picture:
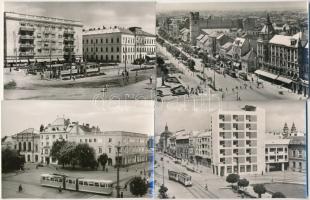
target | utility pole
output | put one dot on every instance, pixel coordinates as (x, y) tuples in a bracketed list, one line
[(118, 147)]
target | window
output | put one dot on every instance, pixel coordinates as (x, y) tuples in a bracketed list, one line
[(110, 150), (110, 139), (86, 183), (106, 40), (95, 140), (111, 40), (100, 150)]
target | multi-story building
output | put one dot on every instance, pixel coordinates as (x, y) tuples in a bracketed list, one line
[(297, 153), (281, 58), (30, 38), (27, 143), (57, 130), (182, 145), (203, 150), (276, 154), (117, 44), (212, 22), (238, 141)]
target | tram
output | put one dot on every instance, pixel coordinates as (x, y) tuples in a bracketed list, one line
[(77, 184), (180, 177)]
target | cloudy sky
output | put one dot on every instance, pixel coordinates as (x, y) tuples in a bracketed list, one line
[(196, 117), (93, 14), (241, 5), (135, 116)]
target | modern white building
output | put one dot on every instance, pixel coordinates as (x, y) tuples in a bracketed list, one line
[(238, 141), (276, 154), (30, 38), (117, 44)]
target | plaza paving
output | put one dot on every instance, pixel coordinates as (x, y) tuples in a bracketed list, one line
[(32, 87), (30, 180)]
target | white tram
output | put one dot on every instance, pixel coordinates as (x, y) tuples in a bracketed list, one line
[(77, 184)]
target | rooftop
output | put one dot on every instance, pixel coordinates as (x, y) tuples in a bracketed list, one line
[(277, 141)]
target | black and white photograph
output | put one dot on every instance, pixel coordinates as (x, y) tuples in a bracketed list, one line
[(231, 150), (79, 50), (234, 51), (52, 149)]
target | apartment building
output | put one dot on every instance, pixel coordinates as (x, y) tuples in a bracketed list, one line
[(30, 38), (298, 153), (117, 44), (203, 150), (238, 141)]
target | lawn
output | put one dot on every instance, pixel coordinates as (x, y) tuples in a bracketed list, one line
[(288, 189)]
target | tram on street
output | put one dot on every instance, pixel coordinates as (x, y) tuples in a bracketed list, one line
[(77, 184), (180, 177)]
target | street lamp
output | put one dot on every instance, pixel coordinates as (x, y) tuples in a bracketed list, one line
[(118, 148)]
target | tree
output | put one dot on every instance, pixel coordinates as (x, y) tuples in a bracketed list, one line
[(243, 183), (278, 195), (163, 192), (232, 178), (11, 160), (138, 186), (103, 159), (259, 189), (85, 155), (41, 128), (67, 154), (56, 147)]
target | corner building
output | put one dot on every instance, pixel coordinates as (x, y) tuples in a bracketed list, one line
[(117, 44), (30, 38), (238, 141)]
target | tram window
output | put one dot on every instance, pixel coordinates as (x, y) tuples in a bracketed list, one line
[(97, 184), (91, 183), (73, 182), (70, 181), (80, 182), (85, 183), (52, 179), (47, 178), (101, 184), (43, 178)]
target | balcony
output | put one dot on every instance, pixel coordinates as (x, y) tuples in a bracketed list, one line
[(26, 46), (26, 37), (69, 32), (68, 39), (26, 28), (26, 54)]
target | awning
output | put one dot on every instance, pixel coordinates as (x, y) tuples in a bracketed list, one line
[(284, 80), (266, 74)]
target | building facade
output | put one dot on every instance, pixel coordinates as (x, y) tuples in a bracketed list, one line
[(238, 141), (117, 44), (297, 154), (27, 143), (30, 38), (276, 154)]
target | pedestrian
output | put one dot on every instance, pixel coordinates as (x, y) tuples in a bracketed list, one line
[(59, 189), (151, 78), (122, 195), (20, 188)]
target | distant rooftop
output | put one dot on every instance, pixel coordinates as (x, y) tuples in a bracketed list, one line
[(116, 29)]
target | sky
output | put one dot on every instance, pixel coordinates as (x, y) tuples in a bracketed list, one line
[(168, 6), (134, 116), (93, 14), (196, 117)]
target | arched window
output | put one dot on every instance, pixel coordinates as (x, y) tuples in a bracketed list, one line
[(24, 146)]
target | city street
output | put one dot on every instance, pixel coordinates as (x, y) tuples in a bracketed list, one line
[(217, 186), (30, 180), (232, 89), (138, 86)]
